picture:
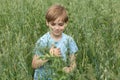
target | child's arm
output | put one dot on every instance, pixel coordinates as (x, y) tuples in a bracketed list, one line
[(72, 61), (72, 64), (37, 62)]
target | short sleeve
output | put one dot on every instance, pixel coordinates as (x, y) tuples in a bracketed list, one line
[(72, 46)]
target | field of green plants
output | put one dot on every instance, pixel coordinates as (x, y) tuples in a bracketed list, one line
[(94, 24)]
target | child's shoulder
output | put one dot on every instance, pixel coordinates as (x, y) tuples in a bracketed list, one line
[(67, 36), (44, 37)]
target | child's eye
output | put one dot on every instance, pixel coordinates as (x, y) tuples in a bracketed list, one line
[(61, 24), (53, 24)]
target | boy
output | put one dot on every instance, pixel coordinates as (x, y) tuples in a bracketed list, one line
[(57, 42)]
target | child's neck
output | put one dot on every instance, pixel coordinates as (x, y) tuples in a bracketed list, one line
[(56, 37)]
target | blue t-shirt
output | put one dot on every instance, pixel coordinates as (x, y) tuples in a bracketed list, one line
[(66, 44)]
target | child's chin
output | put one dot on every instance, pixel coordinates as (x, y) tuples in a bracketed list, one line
[(57, 34)]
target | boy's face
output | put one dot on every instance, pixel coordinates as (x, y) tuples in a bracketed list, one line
[(56, 27)]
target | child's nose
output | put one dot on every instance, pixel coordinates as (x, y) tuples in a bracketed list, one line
[(57, 27)]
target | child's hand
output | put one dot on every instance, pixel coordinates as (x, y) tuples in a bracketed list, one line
[(67, 69), (55, 51)]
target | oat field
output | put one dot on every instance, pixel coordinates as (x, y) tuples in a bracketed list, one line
[(94, 24)]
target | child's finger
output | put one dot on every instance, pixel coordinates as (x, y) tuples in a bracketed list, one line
[(57, 49)]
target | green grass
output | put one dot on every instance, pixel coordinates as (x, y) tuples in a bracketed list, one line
[(94, 24)]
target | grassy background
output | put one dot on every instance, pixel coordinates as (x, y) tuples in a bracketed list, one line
[(94, 24)]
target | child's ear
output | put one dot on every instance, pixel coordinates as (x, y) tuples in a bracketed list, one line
[(47, 23), (66, 24)]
